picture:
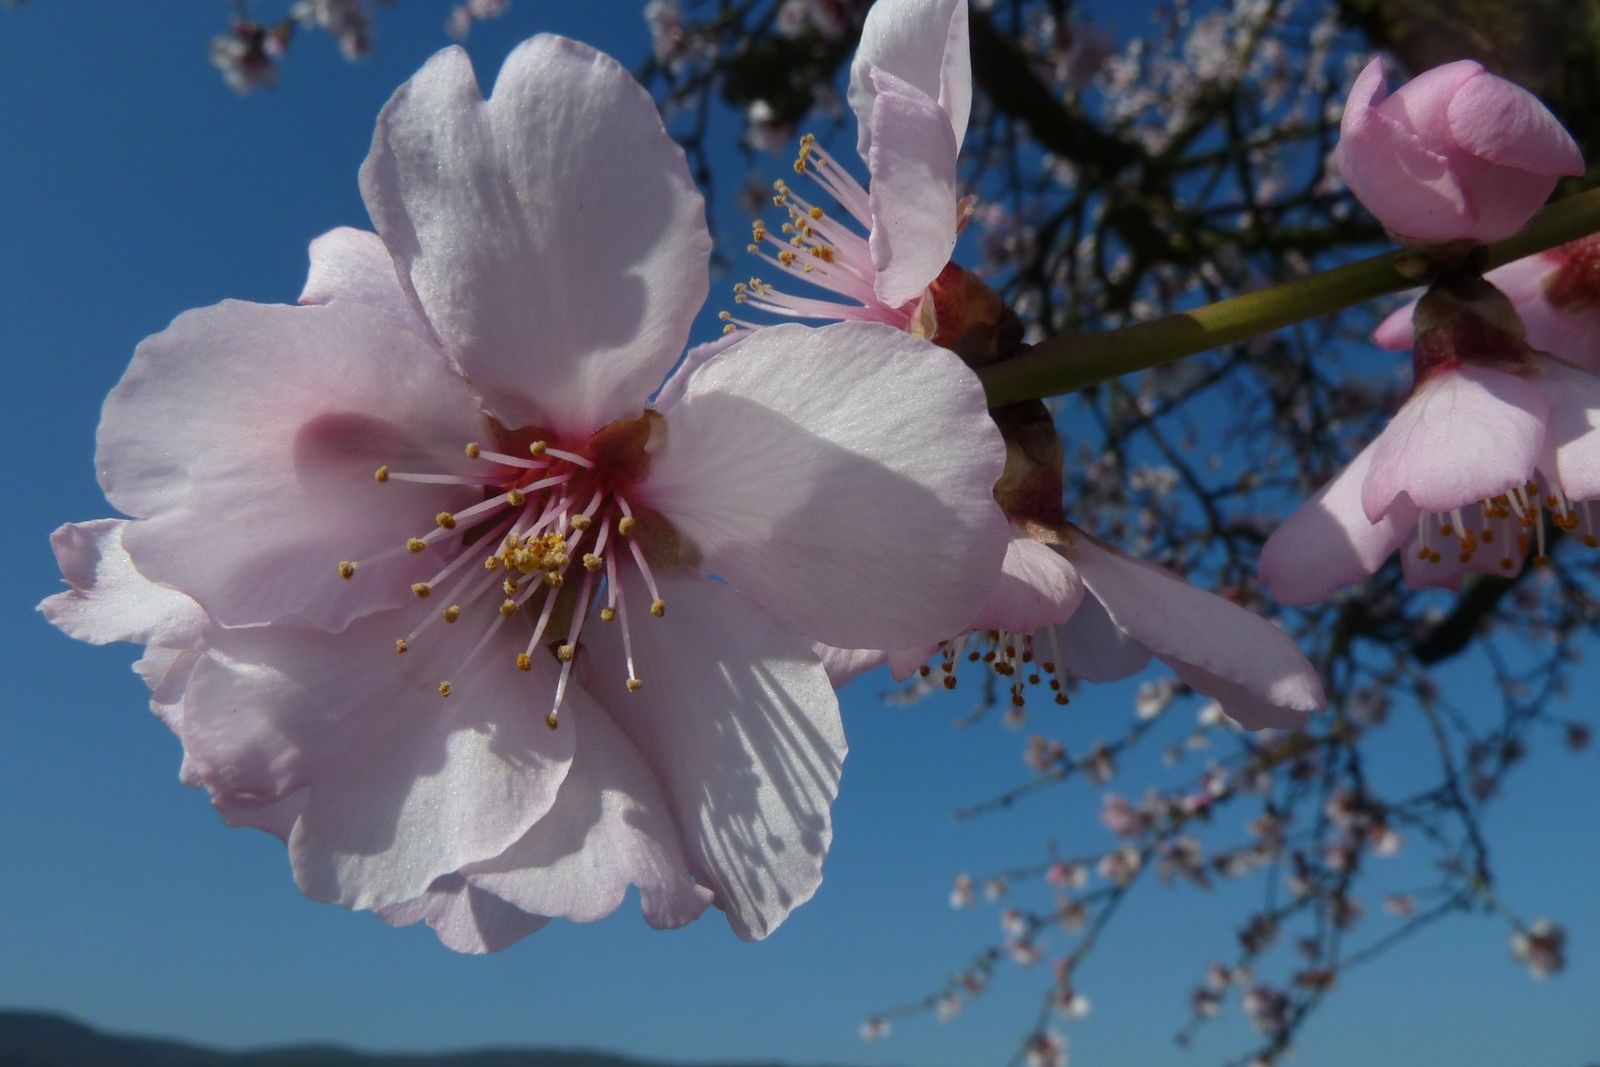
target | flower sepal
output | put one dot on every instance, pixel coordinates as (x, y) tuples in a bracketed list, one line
[(1467, 321), (960, 312)]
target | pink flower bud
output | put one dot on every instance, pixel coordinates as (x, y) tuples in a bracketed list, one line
[(1455, 154)]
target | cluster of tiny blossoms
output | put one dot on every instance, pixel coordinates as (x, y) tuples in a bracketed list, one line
[(248, 54)]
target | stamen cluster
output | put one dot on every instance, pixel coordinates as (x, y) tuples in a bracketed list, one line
[(1011, 656), (545, 518)]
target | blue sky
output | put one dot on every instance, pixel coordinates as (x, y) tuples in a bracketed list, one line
[(135, 186)]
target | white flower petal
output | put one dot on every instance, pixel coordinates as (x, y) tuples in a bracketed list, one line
[(741, 728), (609, 828), (465, 918), (245, 436), (912, 193), (923, 42), (552, 234), (109, 599), (1188, 626), (841, 478), (402, 785)]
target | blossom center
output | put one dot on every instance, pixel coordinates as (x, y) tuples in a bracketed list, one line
[(553, 540)]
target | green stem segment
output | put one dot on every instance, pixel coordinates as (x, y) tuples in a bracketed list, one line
[(1068, 363)]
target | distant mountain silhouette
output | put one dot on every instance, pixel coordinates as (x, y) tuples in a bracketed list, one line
[(30, 1039)]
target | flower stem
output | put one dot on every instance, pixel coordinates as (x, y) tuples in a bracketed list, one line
[(1070, 362)]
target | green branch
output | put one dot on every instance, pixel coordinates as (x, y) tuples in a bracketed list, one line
[(1068, 363)]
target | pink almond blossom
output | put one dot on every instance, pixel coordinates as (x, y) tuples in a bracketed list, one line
[(424, 575), (1454, 154), (911, 91), (1495, 442)]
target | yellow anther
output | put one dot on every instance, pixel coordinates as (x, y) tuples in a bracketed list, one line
[(581, 521), (524, 662), (553, 579), (421, 589), (400, 646), (608, 614), (815, 213), (752, 248), (564, 653), (738, 287), (415, 544), (444, 689), (634, 685), (725, 315), (381, 474), (508, 608), (730, 328), (347, 569), (516, 498), (658, 607), (491, 563), (550, 720), (592, 561), (786, 257), (509, 586), (452, 613), (473, 451), (445, 520), (538, 448), (626, 524)]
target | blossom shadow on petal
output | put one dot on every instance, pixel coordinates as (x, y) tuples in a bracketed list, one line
[(739, 724)]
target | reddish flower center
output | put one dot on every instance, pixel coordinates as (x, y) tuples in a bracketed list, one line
[(553, 538)]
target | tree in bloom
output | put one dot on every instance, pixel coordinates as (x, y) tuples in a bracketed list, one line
[(425, 577)]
